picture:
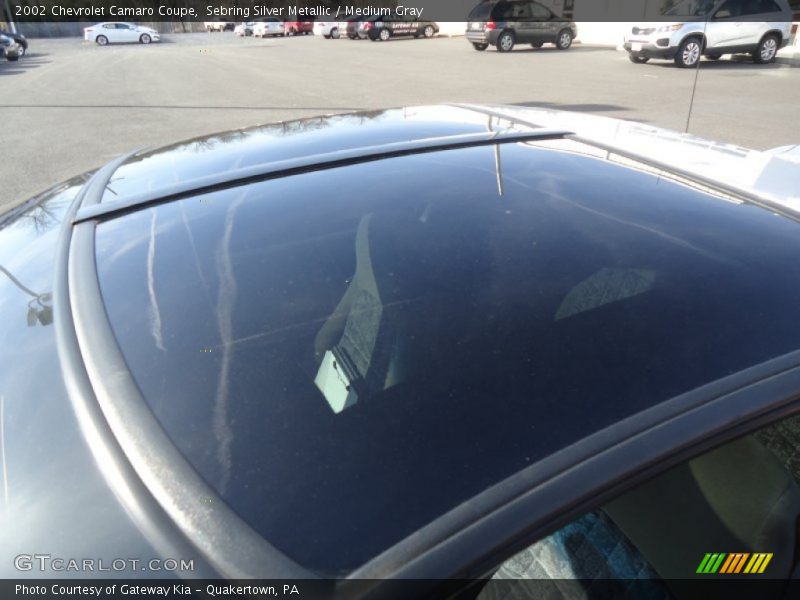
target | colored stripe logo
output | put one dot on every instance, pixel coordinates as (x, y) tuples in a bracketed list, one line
[(734, 563)]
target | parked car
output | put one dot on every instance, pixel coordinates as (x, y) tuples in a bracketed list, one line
[(503, 24), (220, 26), (298, 27), (119, 33), (544, 336), (9, 48), (330, 29), (364, 25), (244, 29), (270, 26), (353, 29), (712, 28), (387, 27), (21, 41)]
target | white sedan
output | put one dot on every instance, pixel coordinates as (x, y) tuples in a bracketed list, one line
[(330, 29), (120, 33), (244, 29), (270, 26)]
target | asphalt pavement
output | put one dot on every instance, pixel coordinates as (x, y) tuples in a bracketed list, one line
[(70, 106)]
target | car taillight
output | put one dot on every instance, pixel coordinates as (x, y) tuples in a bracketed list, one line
[(367, 25), (88, 30), (490, 25)]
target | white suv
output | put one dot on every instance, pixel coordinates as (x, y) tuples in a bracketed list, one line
[(712, 28)]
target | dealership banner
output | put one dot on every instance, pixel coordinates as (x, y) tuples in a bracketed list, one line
[(23, 11)]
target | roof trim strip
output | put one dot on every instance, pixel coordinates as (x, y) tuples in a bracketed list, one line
[(140, 505), (173, 507), (314, 162), (746, 195)]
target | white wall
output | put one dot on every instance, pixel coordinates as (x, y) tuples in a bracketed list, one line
[(604, 34)]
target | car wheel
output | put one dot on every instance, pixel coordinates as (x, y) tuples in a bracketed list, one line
[(689, 53), (505, 42), (536, 45), (384, 34), (21, 51), (564, 40), (335, 33), (766, 50), (101, 40), (144, 39), (480, 47), (639, 60), (428, 31)]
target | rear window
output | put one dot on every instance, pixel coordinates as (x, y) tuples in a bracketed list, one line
[(348, 354), (481, 12)]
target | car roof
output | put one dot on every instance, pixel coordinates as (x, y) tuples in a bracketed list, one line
[(510, 160)]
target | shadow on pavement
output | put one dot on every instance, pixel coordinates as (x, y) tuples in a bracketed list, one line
[(29, 61), (737, 63), (549, 49)]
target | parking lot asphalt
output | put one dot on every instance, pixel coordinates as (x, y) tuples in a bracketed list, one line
[(70, 106)]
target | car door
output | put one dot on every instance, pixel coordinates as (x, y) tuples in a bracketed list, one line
[(126, 32), (110, 31), (544, 26), (399, 26), (756, 18), (519, 16), (725, 29)]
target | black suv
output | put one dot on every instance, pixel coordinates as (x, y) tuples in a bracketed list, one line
[(503, 24), (21, 40)]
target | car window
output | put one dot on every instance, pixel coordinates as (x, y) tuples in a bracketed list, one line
[(315, 335), (539, 12), (730, 511), (729, 9), (692, 8), (517, 11), (758, 7)]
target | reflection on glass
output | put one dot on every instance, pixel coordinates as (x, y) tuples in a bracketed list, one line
[(40, 309)]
